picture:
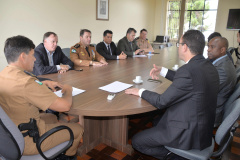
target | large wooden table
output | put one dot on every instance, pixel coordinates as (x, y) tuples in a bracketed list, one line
[(107, 121)]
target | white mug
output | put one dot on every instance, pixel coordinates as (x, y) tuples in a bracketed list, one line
[(138, 78)]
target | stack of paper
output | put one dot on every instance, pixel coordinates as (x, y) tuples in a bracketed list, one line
[(75, 92)]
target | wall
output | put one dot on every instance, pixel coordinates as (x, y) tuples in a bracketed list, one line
[(32, 18), (221, 22), (160, 17)]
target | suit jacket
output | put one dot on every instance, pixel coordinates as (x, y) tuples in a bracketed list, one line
[(190, 103), (228, 78), (124, 46), (41, 65), (102, 49)]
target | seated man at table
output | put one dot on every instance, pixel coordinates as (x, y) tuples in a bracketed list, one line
[(143, 42), (217, 48), (49, 56), (22, 95), (84, 54), (190, 102), (128, 45), (108, 49), (217, 34)]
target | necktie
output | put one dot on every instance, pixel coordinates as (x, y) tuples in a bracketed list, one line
[(87, 51), (131, 45), (109, 51)]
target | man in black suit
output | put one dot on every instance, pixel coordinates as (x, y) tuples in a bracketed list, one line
[(49, 56), (128, 45), (190, 102), (108, 49)]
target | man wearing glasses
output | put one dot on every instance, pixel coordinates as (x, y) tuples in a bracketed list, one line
[(190, 102)]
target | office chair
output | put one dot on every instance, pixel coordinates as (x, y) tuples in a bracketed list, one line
[(12, 141), (94, 45), (161, 46), (231, 50), (223, 137), (66, 51), (234, 95), (169, 44)]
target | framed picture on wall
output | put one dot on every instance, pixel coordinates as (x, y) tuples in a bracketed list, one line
[(103, 10)]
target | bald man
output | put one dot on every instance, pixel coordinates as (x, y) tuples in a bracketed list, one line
[(227, 75)]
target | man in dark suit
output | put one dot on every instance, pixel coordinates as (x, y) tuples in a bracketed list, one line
[(190, 102), (108, 49), (49, 56), (217, 48), (128, 45)]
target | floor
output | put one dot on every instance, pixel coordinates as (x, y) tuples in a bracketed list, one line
[(138, 123)]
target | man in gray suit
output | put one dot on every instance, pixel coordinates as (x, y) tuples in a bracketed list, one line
[(190, 102), (128, 45), (217, 48)]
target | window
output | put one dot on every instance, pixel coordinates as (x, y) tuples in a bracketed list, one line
[(199, 14), (173, 15)]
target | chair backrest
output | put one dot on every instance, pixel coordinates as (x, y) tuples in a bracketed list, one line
[(231, 50), (94, 45), (169, 44), (11, 139), (230, 117), (161, 46), (66, 51), (232, 98)]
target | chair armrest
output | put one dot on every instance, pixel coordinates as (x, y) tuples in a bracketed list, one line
[(226, 143), (49, 133)]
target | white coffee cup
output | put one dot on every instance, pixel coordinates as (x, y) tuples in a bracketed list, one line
[(138, 79), (175, 66)]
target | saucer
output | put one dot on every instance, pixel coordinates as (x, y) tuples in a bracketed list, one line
[(137, 82)]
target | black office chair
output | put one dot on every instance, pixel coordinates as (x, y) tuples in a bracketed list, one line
[(223, 137), (12, 141), (66, 51)]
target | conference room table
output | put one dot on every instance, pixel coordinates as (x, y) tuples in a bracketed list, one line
[(106, 121)]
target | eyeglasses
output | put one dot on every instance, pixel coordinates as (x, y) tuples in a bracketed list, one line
[(177, 44)]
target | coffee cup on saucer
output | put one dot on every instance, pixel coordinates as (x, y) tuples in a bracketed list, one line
[(138, 79)]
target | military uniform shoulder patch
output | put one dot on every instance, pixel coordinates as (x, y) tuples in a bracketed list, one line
[(77, 45), (137, 38), (73, 51)]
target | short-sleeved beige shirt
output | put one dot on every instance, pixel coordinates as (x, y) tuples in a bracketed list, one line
[(143, 44), (21, 96)]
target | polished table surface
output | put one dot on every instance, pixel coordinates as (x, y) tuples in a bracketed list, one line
[(106, 121), (94, 101)]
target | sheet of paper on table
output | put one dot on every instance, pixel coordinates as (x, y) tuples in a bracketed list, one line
[(115, 87), (75, 92)]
